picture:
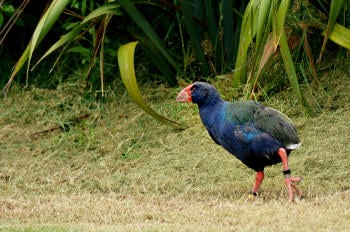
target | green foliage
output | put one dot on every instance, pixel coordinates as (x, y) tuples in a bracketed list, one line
[(265, 32), (153, 44), (95, 24), (333, 31), (43, 27), (260, 19), (194, 38), (213, 28), (126, 67)]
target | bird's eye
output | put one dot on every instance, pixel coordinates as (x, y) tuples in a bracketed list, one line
[(194, 87)]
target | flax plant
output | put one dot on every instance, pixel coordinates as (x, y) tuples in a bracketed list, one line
[(97, 21), (263, 28), (264, 20), (45, 24), (221, 35)]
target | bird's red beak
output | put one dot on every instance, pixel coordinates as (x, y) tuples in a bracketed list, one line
[(185, 95)]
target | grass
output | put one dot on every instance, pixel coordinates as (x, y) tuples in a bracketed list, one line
[(120, 170)]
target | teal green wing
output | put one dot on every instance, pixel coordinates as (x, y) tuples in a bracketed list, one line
[(276, 124)]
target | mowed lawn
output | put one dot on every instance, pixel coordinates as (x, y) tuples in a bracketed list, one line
[(113, 168)]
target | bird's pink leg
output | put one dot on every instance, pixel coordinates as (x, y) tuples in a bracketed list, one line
[(259, 177), (288, 179)]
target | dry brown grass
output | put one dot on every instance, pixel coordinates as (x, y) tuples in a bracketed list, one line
[(121, 170), (159, 213)]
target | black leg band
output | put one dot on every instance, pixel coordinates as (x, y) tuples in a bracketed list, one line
[(287, 173), (253, 193)]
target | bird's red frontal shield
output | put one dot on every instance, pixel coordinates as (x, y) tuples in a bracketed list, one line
[(185, 95)]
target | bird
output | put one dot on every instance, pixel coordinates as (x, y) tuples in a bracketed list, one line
[(257, 135)]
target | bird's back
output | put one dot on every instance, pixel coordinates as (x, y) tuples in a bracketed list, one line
[(263, 118)]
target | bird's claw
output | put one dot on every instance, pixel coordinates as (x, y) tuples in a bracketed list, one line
[(291, 185)]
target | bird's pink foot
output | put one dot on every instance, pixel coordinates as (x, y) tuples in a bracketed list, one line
[(291, 185)]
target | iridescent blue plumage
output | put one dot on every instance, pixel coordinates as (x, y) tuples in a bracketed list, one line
[(247, 129)]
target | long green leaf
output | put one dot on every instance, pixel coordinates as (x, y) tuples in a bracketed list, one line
[(228, 27), (131, 10), (111, 8), (285, 52), (290, 69), (248, 31), (340, 35), (45, 24), (262, 27), (66, 38), (211, 21), (195, 37), (126, 67), (266, 14), (157, 59), (213, 34), (334, 11), (108, 9)]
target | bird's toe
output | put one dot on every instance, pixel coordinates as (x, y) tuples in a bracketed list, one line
[(291, 185)]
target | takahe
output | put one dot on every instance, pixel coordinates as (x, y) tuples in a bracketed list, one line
[(259, 136)]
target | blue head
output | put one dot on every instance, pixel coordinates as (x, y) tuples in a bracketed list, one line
[(200, 93)]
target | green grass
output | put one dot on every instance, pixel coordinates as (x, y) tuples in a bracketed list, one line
[(121, 170)]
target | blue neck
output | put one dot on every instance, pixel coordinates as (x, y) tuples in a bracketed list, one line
[(211, 114)]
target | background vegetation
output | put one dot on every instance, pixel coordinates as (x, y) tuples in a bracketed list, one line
[(190, 40)]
